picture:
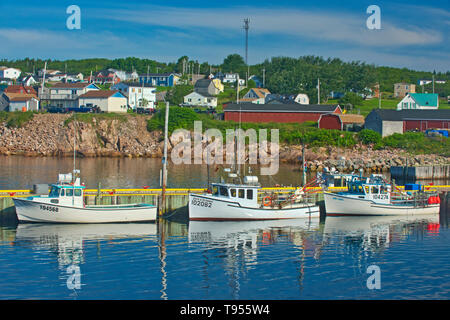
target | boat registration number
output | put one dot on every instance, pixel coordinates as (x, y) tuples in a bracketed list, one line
[(48, 208), (381, 196), (201, 203)]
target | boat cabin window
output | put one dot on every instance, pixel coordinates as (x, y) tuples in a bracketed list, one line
[(367, 189), (62, 192), (233, 193), (375, 189), (69, 192), (77, 192), (215, 191), (223, 191), (250, 194), (241, 193), (383, 189), (54, 192)]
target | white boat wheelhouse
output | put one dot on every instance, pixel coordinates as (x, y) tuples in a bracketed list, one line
[(64, 193), (245, 195), (373, 188)]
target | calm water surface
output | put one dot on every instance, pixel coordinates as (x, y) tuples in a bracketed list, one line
[(295, 259), (299, 259), (23, 172)]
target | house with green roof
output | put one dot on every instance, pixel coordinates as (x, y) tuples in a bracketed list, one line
[(419, 101)]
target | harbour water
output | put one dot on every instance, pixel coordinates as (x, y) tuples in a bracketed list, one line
[(332, 258), (299, 259), (22, 172)]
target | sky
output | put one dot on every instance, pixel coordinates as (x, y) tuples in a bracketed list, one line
[(413, 34)]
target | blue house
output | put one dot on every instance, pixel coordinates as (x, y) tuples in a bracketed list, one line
[(159, 79)]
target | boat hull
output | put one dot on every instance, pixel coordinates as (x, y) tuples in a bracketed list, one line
[(205, 208), (336, 204), (28, 210)]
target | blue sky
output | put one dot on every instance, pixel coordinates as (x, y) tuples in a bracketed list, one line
[(414, 34)]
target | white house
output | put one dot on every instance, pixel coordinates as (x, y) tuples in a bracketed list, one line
[(419, 101), (23, 103), (302, 98), (106, 100), (426, 81), (256, 95), (139, 95), (201, 100), (28, 80), (65, 95), (48, 72), (56, 77), (9, 73), (232, 77)]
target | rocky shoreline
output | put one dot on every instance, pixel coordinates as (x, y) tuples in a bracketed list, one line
[(48, 135)]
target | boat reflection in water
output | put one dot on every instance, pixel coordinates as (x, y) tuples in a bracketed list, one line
[(233, 233), (67, 241), (377, 232)]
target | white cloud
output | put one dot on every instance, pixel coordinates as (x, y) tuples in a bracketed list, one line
[(315, 25)]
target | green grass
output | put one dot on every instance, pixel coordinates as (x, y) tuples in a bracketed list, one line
[(16, 119), (370, 104), (88, 117)]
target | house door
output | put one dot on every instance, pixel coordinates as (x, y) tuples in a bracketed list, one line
[(423, 125)]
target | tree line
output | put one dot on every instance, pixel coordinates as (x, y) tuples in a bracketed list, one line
[(283, 75)]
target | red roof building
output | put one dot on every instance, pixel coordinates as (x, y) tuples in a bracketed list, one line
[(282, 113), (339, 121)]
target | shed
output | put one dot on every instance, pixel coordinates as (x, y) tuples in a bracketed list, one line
[(340, 121), (388, 121)]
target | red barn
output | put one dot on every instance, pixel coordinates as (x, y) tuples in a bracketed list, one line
[(340, 121), (282, 113)]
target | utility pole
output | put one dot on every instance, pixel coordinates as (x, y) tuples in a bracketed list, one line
[(246, 27), (43, 79), (433, 83), (264, 77), (162, 206), (237, 89), (318, 91), (379, 96)]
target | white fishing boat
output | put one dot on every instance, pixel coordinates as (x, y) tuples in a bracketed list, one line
[(375, 196), (65, 204), (229, 201)]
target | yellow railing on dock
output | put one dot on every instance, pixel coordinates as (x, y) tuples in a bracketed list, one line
[(183, 191)]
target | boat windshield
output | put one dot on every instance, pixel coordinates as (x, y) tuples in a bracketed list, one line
[(54, 192)]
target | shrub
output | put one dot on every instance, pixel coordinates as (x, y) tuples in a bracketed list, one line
[(367, 136), (178, 118)]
